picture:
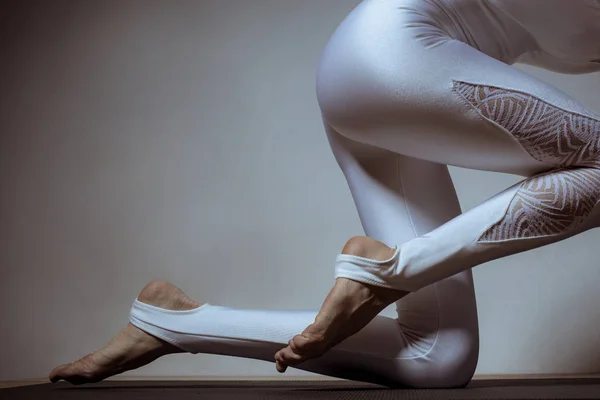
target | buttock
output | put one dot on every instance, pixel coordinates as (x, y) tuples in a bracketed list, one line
[(389, 72)]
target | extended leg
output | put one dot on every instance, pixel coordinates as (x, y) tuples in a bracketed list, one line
[(164, 321)]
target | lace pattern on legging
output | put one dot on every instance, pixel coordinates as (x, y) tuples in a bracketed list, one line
[(547, 205), (551, 203)]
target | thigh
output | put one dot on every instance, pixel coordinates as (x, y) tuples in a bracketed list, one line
[(379, 84), (399, 198)]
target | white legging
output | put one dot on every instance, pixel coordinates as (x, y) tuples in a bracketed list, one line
[(406, 87)]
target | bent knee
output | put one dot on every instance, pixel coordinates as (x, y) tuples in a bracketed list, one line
[(444, 366)]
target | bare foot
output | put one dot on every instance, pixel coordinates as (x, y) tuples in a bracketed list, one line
[(132, 347), (348, 308)]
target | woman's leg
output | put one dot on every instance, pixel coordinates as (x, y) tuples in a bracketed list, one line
[(399, 198), (446, 104), (381, 84), (432, 343), (429, 348), (452, 104)]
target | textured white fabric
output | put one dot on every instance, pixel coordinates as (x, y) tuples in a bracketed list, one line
[(405, 87)]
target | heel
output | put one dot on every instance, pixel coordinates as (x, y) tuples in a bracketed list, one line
[(365, 270)]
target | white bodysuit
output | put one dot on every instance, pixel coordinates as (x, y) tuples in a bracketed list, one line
[(407, 87)]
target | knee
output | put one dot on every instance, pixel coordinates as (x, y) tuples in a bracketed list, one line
[(454, 369), (459, 372), (459, 362)]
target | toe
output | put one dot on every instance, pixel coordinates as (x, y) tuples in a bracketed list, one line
[(308, 345), (299, 349), (58, 373), (279, 364), (287, 357), (81, 371), (282, 359)]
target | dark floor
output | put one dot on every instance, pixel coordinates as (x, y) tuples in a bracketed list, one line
[(252, 390)]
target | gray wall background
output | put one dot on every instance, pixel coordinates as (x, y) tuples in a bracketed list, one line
[(181, 140)]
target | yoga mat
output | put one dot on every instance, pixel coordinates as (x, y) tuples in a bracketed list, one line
[(581, 388)]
